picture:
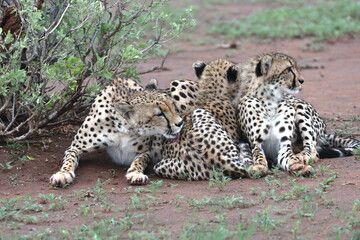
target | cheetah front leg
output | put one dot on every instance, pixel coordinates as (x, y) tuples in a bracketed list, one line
[(284, 128), (135, 174), (66, 174), (83, 142), (308, 133), (252, 121)]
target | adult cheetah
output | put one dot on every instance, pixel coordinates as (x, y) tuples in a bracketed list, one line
[(274, 121), (123, 120)]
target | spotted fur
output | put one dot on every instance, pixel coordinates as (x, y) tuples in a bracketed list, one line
[(307, 120), (210, 136), (123, 120)]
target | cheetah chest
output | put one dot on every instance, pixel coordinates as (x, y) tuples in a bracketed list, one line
[(123, 150), (277, 128)]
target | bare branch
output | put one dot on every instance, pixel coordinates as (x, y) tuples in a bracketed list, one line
[(157, 67), (6, 103), (55, 24)]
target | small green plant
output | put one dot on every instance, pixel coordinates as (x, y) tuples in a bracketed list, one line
[(199, 204), (245, 230), (14, 145), (254, 191), (154, 187), (138, 203), (342, 132), (6, 165), (26, 158), (218, 179), (296, 230), (308, 207), (234, 202), (298, 190), (272, 181), (326, 169), (314, 47), (326, 184), (84, 209), (14, 179), (172, 185), (356, 206), (356, 153), (112, 172), (265, 221)]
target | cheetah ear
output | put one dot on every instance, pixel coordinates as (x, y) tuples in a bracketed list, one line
[(199, 67), (232, 74), (125, 109), (152, 85), (263, 66)]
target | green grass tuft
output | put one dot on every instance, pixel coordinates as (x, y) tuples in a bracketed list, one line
[(325, 21)]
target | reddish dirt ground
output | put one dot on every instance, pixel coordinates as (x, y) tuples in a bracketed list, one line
[(332, 85)]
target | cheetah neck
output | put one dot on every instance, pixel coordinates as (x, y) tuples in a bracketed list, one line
[(269, 95)]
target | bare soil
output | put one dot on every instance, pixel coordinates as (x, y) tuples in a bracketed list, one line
[(332, 85)]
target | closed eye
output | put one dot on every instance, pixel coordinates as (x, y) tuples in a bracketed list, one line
[(160, 114)]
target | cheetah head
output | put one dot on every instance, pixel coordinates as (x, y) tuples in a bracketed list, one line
[(219, 75), (280, 71), (150, 113)]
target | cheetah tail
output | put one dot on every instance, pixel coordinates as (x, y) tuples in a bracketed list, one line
[(332, 146), (328, 152)]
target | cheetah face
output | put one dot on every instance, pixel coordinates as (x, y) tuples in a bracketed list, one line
[(151, 114), (280, 71)]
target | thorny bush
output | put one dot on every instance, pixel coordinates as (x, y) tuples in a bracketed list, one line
[(56, 55)]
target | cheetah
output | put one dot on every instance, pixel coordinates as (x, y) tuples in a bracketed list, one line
[(123, 119), (274, 121), (209, 138)]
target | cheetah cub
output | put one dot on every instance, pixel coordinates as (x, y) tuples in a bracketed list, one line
[(123, 120), (274, 121), (210, 136)]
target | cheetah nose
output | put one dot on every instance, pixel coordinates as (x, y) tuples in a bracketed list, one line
[(301, 80), (179, 124)]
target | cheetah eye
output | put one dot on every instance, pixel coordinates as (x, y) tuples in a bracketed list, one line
[(289, 69), (160, 114)]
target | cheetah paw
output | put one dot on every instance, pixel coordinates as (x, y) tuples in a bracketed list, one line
[(305, 158), (137, 178), (60, 179), (304, 169), (258, 171)]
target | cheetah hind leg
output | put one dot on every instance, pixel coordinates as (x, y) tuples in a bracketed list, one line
[(175, 168), (260, 168)]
